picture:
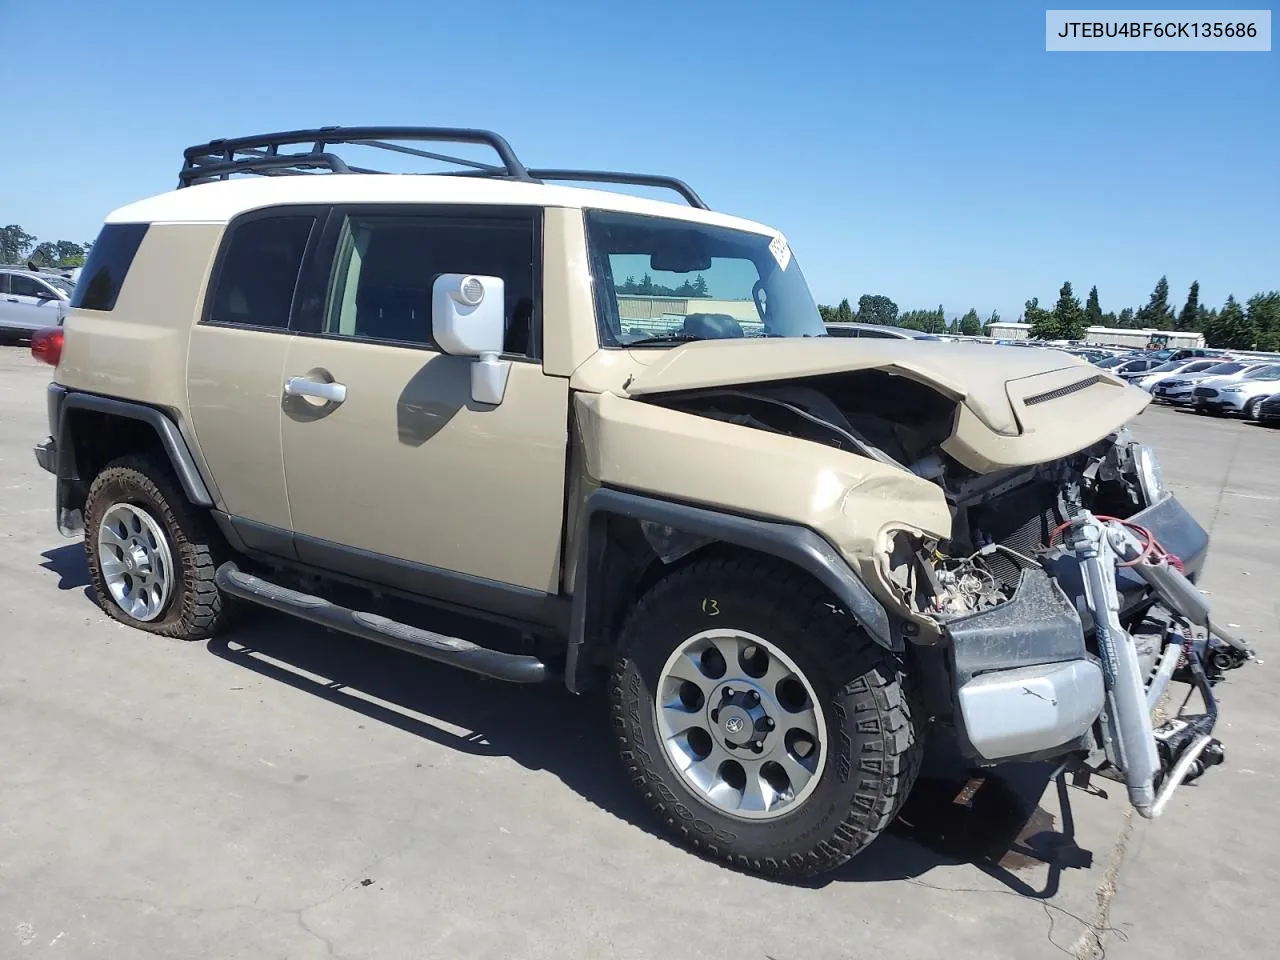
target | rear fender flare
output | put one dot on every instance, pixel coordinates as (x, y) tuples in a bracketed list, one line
[(171, 440)]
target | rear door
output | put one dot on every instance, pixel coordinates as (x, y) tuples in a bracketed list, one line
[(236, 363), (394, 474)]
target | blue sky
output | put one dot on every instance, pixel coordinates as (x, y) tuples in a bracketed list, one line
[(933, 152)]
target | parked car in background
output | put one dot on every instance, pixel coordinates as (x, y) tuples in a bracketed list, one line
[(876, 330), (1170, 369), (1242, 393), (30, 300), (1134, 369), (1269, 411), (1178, 389)]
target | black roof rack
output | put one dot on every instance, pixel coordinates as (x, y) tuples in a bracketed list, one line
[(262, 154)]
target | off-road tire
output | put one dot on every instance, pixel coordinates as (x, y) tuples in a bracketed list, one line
[(196, 610), (874, 751)]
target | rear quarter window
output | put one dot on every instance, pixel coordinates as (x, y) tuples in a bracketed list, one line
[(108, 264)]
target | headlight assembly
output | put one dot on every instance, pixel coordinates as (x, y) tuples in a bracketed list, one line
[(1150, 476)]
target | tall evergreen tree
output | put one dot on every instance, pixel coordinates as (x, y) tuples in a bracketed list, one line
[(844, 312), (1093, 309), (1044, 326), (1230, 329), (970, 325), (1068, 316), (1127, 320), (1264, 317), (1157, 313), (1190, 314)]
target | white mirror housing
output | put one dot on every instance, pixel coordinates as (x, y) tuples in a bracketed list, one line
[(467, 320), (467, 314)]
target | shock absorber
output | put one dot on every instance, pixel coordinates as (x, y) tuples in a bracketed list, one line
[(1127, 711)]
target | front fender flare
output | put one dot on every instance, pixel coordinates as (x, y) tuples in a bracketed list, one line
[(795, 544)]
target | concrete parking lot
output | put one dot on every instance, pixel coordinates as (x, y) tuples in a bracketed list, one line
[(285, 792)]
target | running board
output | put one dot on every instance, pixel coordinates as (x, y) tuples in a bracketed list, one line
[(511, 667)]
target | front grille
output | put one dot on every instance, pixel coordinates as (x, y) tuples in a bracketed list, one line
[(1061, 392), (1206, 392)]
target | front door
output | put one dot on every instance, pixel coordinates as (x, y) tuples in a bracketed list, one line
[(393, 473)]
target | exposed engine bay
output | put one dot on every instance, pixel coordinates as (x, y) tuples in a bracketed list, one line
[(1001, 521)]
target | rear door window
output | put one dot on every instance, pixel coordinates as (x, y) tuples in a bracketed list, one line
[(257, 275)]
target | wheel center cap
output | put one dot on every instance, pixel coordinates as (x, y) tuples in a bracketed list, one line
[(736, 725)]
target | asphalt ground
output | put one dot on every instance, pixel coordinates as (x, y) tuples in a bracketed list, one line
[(287, 792)]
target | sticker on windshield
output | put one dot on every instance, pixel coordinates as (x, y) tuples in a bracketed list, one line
[(781, 252)]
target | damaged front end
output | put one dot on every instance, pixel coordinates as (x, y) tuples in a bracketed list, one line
[(1066, 603), (1050, 617)]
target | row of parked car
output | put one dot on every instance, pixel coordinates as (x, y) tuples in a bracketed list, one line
[(1212, 385)]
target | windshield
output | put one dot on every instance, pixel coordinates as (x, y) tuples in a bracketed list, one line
[(1111, 361), (61, 283), (1219, 369), (660, 281), (1168, 365), (1198, 366)]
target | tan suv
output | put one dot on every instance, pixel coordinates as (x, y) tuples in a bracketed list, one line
[(617, 425)]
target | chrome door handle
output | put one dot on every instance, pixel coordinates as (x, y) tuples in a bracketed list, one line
[(303, 387)]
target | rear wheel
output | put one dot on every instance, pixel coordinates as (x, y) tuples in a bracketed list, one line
[(152, 556), (762, 725)]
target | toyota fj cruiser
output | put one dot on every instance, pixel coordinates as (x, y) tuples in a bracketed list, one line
[(617, 425)]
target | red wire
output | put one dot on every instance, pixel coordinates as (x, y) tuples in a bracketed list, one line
[(1151, 548)]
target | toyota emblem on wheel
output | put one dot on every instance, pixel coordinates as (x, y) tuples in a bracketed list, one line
[(734, 725)]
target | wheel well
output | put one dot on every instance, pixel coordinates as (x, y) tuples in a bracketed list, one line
[(97, 438), (627, 556)]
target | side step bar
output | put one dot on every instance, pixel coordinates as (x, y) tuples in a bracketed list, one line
[(511, 667)]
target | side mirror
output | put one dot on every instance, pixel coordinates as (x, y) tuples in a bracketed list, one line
[(467, 320)]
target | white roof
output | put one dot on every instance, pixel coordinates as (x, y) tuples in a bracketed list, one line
[(221, 201)]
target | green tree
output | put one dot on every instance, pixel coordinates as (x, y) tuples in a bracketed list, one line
[(1068, 315), (14, 244), (1093, 309), (844, 312), (1264, 317), (1157, 313), (991, 321), (1127, 320), (1109, 319), (1190, 314), (45, 254), (1044, 326), (935, 321), (1230, 329), (970, 325), (877, 308), (700, 288)]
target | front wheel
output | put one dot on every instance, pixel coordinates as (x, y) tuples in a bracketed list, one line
[(761, 723), (1251, 408)]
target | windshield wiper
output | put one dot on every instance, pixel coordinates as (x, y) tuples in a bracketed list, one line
[(663, 338)]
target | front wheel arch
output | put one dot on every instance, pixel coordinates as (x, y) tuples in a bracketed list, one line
[(627, 541)]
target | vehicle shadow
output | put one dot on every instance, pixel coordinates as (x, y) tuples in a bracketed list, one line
[(1000, 829), (70, 564)]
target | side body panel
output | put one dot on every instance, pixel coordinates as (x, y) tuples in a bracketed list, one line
[(138, 351)]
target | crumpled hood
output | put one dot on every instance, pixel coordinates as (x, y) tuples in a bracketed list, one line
[(1017, 405), (975, 374)]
